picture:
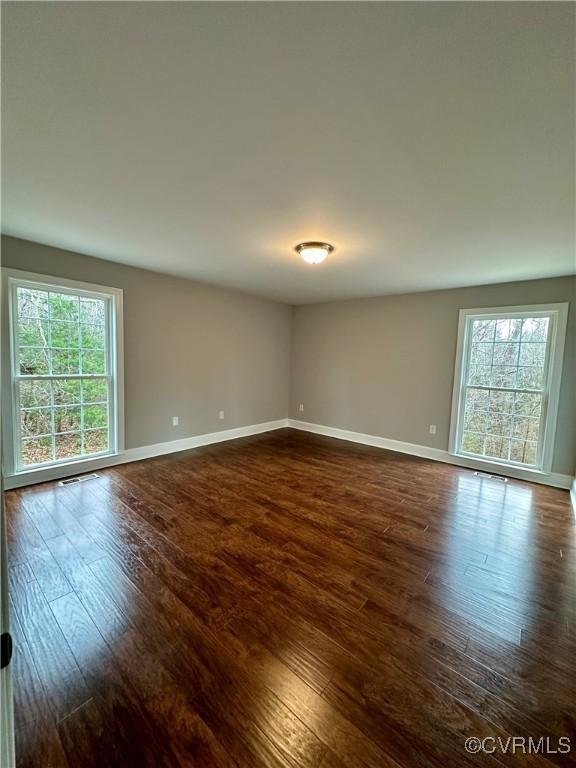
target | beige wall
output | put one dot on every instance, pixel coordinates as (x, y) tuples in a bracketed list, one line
[(190, 349), (385, 366)]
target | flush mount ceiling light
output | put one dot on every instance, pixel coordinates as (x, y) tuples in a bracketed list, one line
[(314, 253)]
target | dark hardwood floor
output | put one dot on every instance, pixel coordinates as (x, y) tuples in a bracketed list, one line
[(291, 600)]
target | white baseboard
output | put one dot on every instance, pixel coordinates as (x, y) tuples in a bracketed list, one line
[(137, 454), (436, 454), (173, 446), (186, 443), (573, 496)]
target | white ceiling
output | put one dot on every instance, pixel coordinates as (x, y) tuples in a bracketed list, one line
[(432, 143)]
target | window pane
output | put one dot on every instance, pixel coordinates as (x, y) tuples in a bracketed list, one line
[(501, 402), (533, 353), (473, 443), (492, 417), (93, 361), (526, 428), (530, 378), (66, 391), (96, 441), (93, 336), (92, 311), (508, 330), (35, 393), (95, 391), (503, 376), (68, 446), (523, 451), (33, 333), (480, 375), (505, 382), (477, 399), (497, 447), (36, 451), (36, 422), (527, 404), (95, 416), (32, 303), (506, 353), (67, 418), (64, 335), (65, 361), (33, 361), (483, 330), (63, 307), (475, 421), (535, 329), (499, 424), (481, 353)]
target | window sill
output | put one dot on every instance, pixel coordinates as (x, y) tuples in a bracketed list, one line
[(512, 468), (59, 471), (508, 470)]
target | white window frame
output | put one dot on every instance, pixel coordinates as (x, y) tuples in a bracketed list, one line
[(558, 314), (12, 279)]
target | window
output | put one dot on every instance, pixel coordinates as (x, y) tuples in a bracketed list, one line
[(64, 355), (507, 384)]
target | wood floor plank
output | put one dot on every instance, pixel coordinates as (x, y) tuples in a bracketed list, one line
[(111, 724), (38, 745), (31, 703), (60, 676)]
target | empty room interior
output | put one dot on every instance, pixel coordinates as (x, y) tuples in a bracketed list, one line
[(288, 373)]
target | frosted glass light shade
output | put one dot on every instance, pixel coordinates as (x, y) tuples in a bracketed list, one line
[(314, 253)]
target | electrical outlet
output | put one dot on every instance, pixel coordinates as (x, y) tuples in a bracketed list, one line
[(301, 407), (175, 421), (432, 429), (220, 414)]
